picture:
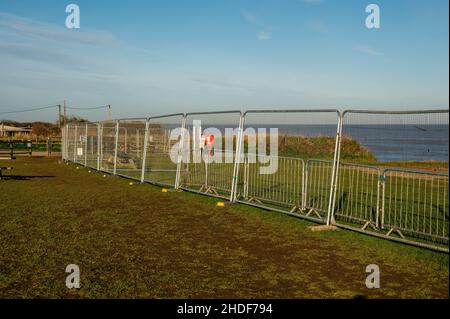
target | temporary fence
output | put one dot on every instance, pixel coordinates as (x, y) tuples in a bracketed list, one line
[(282, 170), (129, 150), (211, 169), (358, 194), (392, 175), (415, 204), (381, 173), (92, 145), (163, 146), (108, 146), (284, 188), (69, 142), (80, 144)]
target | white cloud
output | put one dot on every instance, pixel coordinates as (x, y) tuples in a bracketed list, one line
[(264, 36), (29, 28), (367, 50)]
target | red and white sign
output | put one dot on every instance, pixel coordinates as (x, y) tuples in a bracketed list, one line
[(209, 140)]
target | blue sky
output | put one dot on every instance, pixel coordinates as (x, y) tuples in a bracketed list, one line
[(156, 57)]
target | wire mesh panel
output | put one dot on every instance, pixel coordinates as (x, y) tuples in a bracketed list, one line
[(278, 144), (91, 151), (80, 144), (283, 188), (358, 194), (395, 138), (318, 176), (209, 153), (130, 148), (402, 143), (108, 145), (213, 175), (163, 146), (416, 204), (70, 142)]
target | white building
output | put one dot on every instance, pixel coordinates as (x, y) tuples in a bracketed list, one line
[(11, 131)]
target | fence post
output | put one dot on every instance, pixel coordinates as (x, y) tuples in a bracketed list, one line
[(63, 134), (303, 206), (75, 144), (180, 153), (334, 177), (64, 146), (99, 139), (306, 183), (237, 160), (115, 149), (383, 197), (379, 178), (246, 177), (144, 153)]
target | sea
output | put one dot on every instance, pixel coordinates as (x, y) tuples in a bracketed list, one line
[(388, 143)]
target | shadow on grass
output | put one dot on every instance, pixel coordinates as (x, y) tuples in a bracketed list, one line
[(23, 178)]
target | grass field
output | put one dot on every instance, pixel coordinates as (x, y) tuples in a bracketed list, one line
[(135, 241)]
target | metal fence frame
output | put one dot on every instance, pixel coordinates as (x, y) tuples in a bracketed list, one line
[(302, 211), (395, 227), (97, 128), (175, 183), (144, 120), (208, 190), (378, 227), (366, 222)]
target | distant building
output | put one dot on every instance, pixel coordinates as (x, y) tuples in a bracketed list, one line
[(11, 131)]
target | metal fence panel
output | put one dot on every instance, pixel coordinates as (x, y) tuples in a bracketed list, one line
[(304, 139), (318, 175), (70, 139), (80, 144), (130, 148), (210, 171), (411, 148), (108, 146), (395, 137), (210, 177), (283, 188), (162, 141), (358, 195), (92, 140), (416, 204)]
